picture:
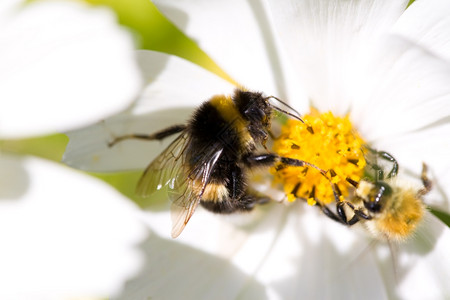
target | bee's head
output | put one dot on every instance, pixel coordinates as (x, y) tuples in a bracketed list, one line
[(257, 109), (374, 195), (253, 107)]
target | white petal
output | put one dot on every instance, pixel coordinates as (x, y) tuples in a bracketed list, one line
[(64, 64), (64, 234), (422, 264), (291, 251), (427, 22), (327, 40), (215, 255), (176, 271), (237, 35), (438, 198), (315, 258), (176, 87), (401, 88)]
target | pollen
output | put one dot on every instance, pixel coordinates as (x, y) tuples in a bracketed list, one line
[(328, 142)]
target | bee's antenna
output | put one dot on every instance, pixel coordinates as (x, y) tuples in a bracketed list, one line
[(288, 113), (287, 105)]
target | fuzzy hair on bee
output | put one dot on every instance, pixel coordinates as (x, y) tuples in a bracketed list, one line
[(209, 162)]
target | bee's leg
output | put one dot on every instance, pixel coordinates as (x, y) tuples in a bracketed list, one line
[(394, 162), (427, 183), (242, 196), (269, 159), (341, 215), (324, 208), (245, 202), (330, 214), (252, 198), (386, 156), (358, 214), (155, 136)]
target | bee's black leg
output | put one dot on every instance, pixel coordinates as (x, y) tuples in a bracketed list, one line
[(155, 136), (386, 156), (235, 185), (252, 198), (340, 215), (245, 202), (330, 214), (269, 159)]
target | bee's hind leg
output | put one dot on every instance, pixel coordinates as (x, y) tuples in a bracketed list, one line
[(249, 196), (246, 202), (150, 137), (253, 198)]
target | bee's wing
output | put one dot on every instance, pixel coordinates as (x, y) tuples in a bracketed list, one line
[(165, 169), (186, 184), (194, 185)]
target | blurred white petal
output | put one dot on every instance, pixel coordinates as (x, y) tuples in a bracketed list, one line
[(177, 271), (64, 64), (427, 22), (175, 87), (237, 35), (64, 234)]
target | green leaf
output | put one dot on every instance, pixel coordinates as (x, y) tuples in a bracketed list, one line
[(125, 183), (443, 216), (410, 2), (50, 147)]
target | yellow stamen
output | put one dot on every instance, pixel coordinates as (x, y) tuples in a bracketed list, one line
[(311, 201), (333, 146)]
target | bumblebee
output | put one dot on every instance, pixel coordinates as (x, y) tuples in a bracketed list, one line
[(390, 208), (208, 162)]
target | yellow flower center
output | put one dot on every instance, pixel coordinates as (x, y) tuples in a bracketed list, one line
[(332, 145)]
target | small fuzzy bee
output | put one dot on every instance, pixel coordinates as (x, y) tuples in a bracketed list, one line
[(208, 162), (390, 208)]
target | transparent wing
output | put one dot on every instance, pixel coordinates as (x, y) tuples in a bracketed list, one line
[(166, 169), (185, 182)]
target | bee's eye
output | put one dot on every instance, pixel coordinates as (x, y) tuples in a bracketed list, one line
[(377, 197), (255, 113)]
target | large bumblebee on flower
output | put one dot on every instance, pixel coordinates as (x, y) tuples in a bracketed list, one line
[(208, 162)]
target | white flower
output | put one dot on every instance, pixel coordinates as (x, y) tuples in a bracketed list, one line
[(64, 57), (64, 234), (387, 66)]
